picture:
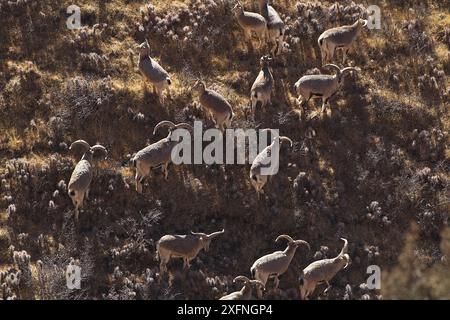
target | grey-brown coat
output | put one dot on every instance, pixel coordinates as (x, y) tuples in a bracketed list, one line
[(266, 163), (275, 25), (152, 70), (183, 246), (251, 22), (156, 155), (339, 38), (321, 86), (262, 88), (323, 271), (276, 263), (215, 104), (81, 178)]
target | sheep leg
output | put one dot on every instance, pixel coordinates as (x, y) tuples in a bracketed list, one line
[(324, 105), (263, 278), (186, 264), (87, 194), (280, 44), (344, 58), (163, 265), (254, 102), (328, 288), (139, 180), (248, 39), (323, 53), (276, 283), (261, 40), (165, 170)]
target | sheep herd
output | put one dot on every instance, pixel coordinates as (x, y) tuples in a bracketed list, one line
[(269, 28)]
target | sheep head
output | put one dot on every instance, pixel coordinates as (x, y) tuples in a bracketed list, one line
[(88, 151), (340, 72), (238, 8), (144, 48), (199, 86), (172, 126), (247, 281), (205, 239), (292, 242), (265, 61)]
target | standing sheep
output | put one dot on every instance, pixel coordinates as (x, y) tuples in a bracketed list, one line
[(152, 70), (263, 86), (339, 38), (266, 159), (219, 109), (322, 86), (323, 271), (81, 177), (183, 246), (276, 263), (275, 26), (156, 155), (250, 21)]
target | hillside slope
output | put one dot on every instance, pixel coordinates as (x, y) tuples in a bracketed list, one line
[(375, 171)]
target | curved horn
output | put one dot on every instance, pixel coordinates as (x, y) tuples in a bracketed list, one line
[(344, 248), (349, 69), (333, 66), (300, 242), (164, 124), (81, 143), (99, 147), (284, 138), (284, 236), (241, 278), (198, 233), (272, 132), (215, 234)]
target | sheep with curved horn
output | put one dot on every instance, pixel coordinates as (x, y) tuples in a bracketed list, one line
[(323, 271), (157, 154), (339, 38), (246, 292), (215, 104), (267, 160), (262, 88), (275, 25), (183, 246), (153, 71), (276, 263), (80, 180), (322, 86)]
